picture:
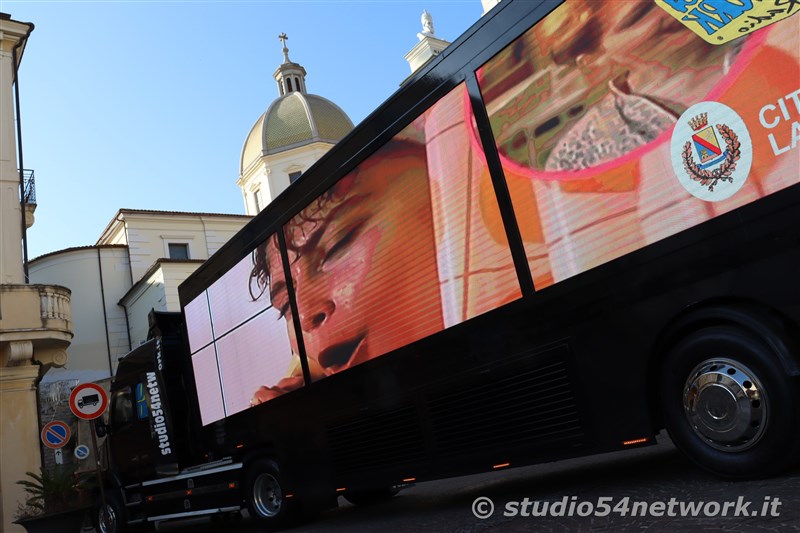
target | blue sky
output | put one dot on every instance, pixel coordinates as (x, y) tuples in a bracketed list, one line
[(146, 105)]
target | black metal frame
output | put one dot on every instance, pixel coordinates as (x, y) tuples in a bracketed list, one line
[(29, 184)]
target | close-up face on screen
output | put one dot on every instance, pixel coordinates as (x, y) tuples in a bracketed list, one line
[(397, 249), (617, 126), (364, 263)]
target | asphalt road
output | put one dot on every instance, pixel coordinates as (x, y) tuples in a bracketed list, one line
[(654, 474)]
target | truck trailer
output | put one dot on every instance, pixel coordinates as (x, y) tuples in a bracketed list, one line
[(576, 226)]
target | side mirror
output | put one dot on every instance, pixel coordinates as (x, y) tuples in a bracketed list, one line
[(101, 429)]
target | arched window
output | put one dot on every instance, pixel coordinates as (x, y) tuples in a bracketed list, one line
[(288, 85)]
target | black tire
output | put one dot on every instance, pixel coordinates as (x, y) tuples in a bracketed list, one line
[(266, 497), (370, 496), (116, 514), (728, 404)]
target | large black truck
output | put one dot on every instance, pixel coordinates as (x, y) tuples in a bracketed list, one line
[(577, 225)]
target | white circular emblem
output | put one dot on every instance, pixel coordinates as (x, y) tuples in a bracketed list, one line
[(711, 151)]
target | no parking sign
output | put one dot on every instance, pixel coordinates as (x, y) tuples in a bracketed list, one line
[(55, 434)]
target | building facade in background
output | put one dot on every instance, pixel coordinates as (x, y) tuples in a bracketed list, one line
[(35, 319), (136, 265)]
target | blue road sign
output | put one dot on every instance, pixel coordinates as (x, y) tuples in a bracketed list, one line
[(55, 434), (81, 451)]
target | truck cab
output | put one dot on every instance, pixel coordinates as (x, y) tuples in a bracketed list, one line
[(143, 442), (156, 472)]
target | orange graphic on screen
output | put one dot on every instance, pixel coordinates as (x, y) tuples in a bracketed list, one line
[(583, 106)]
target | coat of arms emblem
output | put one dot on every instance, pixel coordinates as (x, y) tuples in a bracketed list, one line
[(711, 151), (721, 162)]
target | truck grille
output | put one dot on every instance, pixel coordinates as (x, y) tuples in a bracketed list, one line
[(526, 403), (392, 437), (534, 408)]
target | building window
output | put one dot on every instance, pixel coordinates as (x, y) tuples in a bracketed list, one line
[(294, 175), (178, 250), (288, 85), (257, 199)]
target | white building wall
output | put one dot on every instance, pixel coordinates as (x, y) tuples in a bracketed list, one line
[(174, 274), (159, 291), (148, 234), (97, 277), (148, 295)]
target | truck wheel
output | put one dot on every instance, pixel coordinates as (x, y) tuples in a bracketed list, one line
[(728, 404), (266, 497), (114, 512), (370, 496)]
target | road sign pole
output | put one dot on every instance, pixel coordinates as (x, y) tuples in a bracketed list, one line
[(88, 402), (99, 472)]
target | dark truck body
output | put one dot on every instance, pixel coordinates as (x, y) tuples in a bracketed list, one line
[(595, 361), (156, 469)]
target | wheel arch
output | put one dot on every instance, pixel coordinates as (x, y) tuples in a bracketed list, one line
[(778, 331), (266, 452)]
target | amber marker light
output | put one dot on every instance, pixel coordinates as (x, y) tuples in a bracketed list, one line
[(409, 479), (239, 446), (149, 498), (634, 441), (501, 465), (341, 489), (289, 496)]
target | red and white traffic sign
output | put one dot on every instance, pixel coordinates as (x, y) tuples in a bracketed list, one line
[(88, 401), (55, 434)]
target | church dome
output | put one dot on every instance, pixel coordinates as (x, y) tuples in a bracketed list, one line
[(293, 120)]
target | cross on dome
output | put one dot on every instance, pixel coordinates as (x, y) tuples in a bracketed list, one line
[(283, 38), (290, 76)]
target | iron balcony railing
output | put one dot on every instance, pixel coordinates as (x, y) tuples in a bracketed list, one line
[(29, 184)]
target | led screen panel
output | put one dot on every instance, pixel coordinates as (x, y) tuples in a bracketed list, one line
[(253, 356), (617, 126), (209, 390), (408, 243), (230, 301), (241, 349), (198, 323)]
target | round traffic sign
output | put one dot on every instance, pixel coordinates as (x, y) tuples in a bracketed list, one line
[(55, 434), (88, 401), (81, 451)]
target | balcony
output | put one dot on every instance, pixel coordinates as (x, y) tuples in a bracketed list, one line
[(35, 322), (29, 187)]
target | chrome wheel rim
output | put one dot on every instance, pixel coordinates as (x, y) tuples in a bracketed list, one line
[(111, 520), (726, 404), (267, 495)]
